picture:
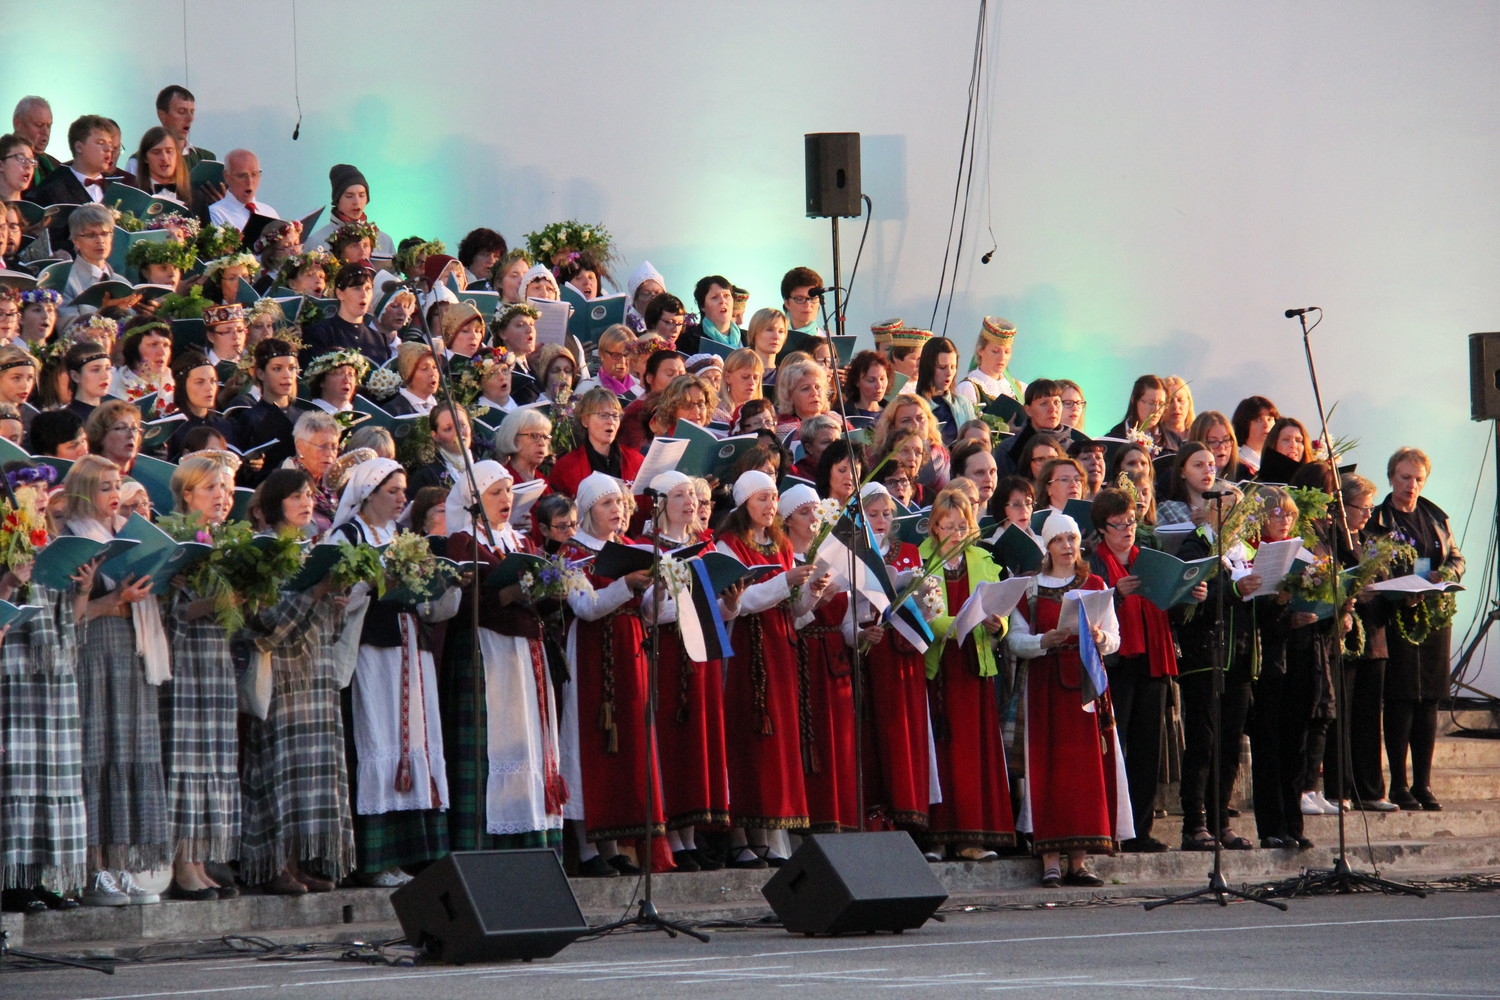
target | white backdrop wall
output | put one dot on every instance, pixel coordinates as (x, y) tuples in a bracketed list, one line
[(1165, 176)]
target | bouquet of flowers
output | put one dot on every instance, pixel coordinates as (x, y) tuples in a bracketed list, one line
[(23, 528), (358, 564), (1242, 525), (563, 243), (676, 577), (257, 566), (189, 306), (207, 578), (557, 580), (1138, 435), (826, 514), (564, 428), (1312, 505), (382, 383), (409, 562)]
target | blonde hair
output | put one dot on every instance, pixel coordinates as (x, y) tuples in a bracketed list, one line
[(616, 337), (885, 424), (951, 500), (762, 319), (793, 372), (192, 473), (81, 483), (1177, 385)]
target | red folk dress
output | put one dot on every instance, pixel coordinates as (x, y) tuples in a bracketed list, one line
[(1070, 785), (762, 727), (828, 726)]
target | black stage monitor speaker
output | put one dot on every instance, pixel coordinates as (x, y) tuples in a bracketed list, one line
[(1484, 376), (488, 906), (832, 174), (842, 883)]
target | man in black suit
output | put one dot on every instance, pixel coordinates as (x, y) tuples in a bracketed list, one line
[(95, 142)]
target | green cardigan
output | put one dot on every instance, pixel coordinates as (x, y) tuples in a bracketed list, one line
[(981, 569)]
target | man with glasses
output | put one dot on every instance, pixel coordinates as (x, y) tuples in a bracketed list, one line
[(242, 175)]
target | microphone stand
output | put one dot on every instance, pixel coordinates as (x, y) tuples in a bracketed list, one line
[(1341, 877), (1217, 888), (857, 503), (646, 915), (476, 511)]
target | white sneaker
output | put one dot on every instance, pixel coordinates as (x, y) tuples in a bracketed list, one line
[(138, 895), (1310, 805), (104, 891), (391, 878), (1329, 808)]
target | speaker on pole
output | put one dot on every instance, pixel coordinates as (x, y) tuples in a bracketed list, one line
[(843, 883), (832, 174), (1484, 376), (489, 906)]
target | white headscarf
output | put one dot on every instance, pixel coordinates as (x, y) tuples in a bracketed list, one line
[(538, 271), (594, 487), (486, 474), (1058, 523), (363, 480), (643, 273), (751, 483), (798, 496), (668, 481)]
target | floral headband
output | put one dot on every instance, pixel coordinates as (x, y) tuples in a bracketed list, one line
[(325, 363), (519, 309), (274, 233), (214, 268), (39, 475), (352, 232), (40, 296)]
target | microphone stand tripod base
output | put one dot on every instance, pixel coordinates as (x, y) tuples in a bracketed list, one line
[(1341, 879), (647, 917)]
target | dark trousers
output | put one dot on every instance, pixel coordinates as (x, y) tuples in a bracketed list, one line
[(1286, 748), (1140, 703), (1360, 713), (1197, 727), (1410, 725)]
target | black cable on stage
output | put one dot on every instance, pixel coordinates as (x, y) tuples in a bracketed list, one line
[(854, 271), (958, 219)]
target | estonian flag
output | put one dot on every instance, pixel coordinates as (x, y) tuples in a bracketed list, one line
[(1094, 680), (704, 636)]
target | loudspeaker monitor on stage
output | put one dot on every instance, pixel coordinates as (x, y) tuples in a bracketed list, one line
[(845, 883), (832, 160), (489, 906)]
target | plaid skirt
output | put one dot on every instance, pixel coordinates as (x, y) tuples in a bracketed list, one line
[(296, 783), (124, 793), (390, 839), (200, 741), (43, 832)]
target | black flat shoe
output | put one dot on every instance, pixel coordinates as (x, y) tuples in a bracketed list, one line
[(1405, 799), (746, 858), (685, 861), (227, 891), (624, 865), (1426, 800), (203, 895), (1276, 843), (53, 901), (1143, 845), (21, 900), (596, 867), (705, 862), (1083, 877), (1304, 844)]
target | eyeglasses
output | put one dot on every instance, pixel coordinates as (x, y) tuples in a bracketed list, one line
[(131, 429), (1281, 515), (1218, 442), (323, 447), (9, 313), (1121, 526), (610, 416), (1020, 505), (1074, 404), (102, 234), (23, 159), (1355, 509), (534, 435), (1065, 480), (568, 526), (803, 300), (617, 355)]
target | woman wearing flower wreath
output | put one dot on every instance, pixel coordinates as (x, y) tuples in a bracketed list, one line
[(42, 842), (826, 696), (200, 755), (898, 759), (768, 793), (297, 828), (1074, 801), (1421, 630), (39, 314), (147, 353), (500, 732), (277, 243), (309, 273), (975, 814), (690, 696), (515, 330), (400, 773), (123, 658), (605, 749), (333, 379), (161, 262), (221, 277), (349, 199), (354, 242)]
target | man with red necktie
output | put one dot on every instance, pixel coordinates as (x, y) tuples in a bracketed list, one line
[(242, 177)]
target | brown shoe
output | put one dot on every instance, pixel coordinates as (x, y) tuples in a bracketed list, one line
[(284, 885), (315, 884)]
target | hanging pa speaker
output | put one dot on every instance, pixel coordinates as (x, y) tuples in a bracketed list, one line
[(845, 883), (1484, 376), (490, 906), (832, 174)]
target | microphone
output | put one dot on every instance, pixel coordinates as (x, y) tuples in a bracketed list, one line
[(1294, 313), (818, 291), (1216, 494), (987, 257)]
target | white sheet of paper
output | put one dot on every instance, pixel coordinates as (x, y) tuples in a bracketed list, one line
[(1101, 610), (1412, 584), (828, 562), (523, 497), (991, 598), (1171, 535), (552, 327), (662, 456), (1273, 561)]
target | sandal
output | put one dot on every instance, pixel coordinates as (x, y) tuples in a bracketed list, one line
[(1233, 841), (1198, 840), (1052, 877)]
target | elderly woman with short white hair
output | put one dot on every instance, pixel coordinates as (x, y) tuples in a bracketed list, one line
[(802, 391), (523, 442)]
